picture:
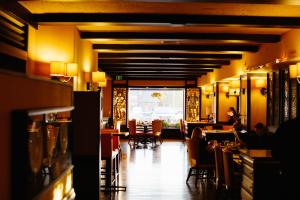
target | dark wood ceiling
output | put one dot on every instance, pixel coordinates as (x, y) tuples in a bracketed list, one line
[(165, 42)]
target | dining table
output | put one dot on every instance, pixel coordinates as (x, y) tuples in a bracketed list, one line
[(220, 135), (147, 135)]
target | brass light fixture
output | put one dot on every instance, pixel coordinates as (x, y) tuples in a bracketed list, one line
[(63, 71), (261, 83), (295, 72), (100, 78)]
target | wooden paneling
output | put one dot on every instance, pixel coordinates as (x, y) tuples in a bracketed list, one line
[(20, 92), (107, 99), (165, 83)]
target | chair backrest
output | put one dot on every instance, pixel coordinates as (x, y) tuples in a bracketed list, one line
[(193, 153), (116, 139), (106, 145), (228, 168), (132, 127), (219, 164), (156, 126), (181, 126)]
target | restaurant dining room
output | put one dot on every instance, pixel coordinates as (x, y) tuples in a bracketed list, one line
[(166, 99)]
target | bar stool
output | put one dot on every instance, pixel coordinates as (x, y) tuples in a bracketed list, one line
[(110, 153)]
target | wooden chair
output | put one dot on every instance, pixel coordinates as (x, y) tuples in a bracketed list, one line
[(109, 170), (219, 166), (156, 130), (111, 154), (202, 170), (183, 130), (116, 141), (133, 134), (232, 178)]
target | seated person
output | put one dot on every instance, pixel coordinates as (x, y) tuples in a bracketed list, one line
[(206, 152), (257, 139), (237, 125), (232, 115)]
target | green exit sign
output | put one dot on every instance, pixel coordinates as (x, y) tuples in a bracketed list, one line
[(119, 77)]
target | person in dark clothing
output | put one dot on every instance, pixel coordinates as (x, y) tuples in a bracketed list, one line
[(260, 129), (232, 115), (237, 125), (285, 148), (205, 148), (257, 139), (110, 122)]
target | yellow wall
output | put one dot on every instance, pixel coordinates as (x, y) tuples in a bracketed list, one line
[(258, 105), (288, 48), (55, 43), (224, 104), (31, 50), (267, 53), (290, 44), (206, 106), (59, 43), (86, 59)]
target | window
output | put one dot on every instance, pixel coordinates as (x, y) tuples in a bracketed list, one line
[(146, 104)]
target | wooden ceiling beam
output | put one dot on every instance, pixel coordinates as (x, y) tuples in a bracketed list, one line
[(175, 19), (152, 66), (169, 55), (261, 38), (16, 10), (185, 47), (158, 71), (161, 61)]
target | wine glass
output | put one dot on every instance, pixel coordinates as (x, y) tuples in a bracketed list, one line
[(35, 149), (52, 133), (63, 138)]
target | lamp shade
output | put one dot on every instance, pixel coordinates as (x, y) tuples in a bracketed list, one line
[(71, 69), (57, 68), (98, 77), (208, 89), (295, 70), (298, 70), (225, 88), (103, 83)]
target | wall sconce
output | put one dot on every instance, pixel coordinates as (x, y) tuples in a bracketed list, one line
[(100, 78), (235, 84), (295, 72), (234, 88), (261, 83), (63, 71), (208, 91), (225, 88), (103, 83)]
